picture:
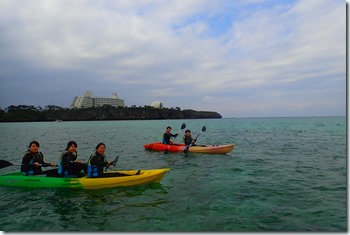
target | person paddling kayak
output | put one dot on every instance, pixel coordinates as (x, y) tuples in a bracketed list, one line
[(97, 162), (69, 164), (188, 140), (167, 135), (33, 160)]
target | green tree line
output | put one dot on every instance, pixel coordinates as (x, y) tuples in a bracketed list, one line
[(30, 113)]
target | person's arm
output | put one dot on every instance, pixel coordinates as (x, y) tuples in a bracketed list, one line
[(193, 141), (43, 163), (46, 164), (95, 161), (174, 135), (103, 163)]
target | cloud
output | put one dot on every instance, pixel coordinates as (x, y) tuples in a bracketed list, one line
[(213, 53)]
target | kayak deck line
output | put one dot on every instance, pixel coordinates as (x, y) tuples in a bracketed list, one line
[(32, 180)]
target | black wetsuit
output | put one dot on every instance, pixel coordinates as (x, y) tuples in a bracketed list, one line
[(68, 166), (29, 159), (96, 165), (167, 136), (188, 140)]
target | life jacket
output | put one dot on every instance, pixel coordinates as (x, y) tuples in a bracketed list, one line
[(92, 170), (60, 165)]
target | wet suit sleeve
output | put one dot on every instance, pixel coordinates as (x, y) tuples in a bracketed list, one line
[(167, 136), (102, 164), (95, 161), (43, 163)]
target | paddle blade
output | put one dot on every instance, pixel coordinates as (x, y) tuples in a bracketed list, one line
[(183, 126), (4, 164), (114, 162), (204, 128)]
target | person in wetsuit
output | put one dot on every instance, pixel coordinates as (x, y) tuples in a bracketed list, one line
[(97, 162), (167, 136), (33, 160), (187, 138), (69, 164)]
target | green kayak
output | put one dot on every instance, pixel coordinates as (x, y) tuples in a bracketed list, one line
[(42, 181)]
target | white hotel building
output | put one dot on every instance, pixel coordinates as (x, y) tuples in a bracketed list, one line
[(88, 100)]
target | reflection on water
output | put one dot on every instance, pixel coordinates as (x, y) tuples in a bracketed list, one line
[(78, 210), (99, 209)]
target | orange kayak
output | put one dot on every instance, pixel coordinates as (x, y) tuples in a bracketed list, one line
[(175, 147)]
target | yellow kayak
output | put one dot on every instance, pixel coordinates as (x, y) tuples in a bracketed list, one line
[(42, 181)]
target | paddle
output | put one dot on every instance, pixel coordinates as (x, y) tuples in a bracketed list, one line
[(188, 146), (183, 126), (114, 162), (4, 164)]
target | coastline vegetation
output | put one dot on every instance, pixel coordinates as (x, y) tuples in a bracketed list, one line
[(30, 113)]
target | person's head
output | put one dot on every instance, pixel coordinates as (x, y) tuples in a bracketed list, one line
[(72, 146), (101, 148), (187, 132), (168, 129), (34, 146)]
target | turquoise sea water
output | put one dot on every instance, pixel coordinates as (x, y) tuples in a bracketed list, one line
[(285, 174)]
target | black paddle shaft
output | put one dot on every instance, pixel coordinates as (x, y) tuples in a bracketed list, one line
[(188, 146), (4, 163)]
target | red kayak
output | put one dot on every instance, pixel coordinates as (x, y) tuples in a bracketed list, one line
[(213, 149)]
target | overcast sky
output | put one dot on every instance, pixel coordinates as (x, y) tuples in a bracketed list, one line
[(240, 58)]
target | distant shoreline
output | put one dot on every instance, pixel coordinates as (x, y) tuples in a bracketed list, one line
[(24, 113)]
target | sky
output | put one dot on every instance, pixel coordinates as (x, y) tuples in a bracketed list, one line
[(240, 58)]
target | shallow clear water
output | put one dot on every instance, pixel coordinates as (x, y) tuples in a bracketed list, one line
[(285, 174)]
